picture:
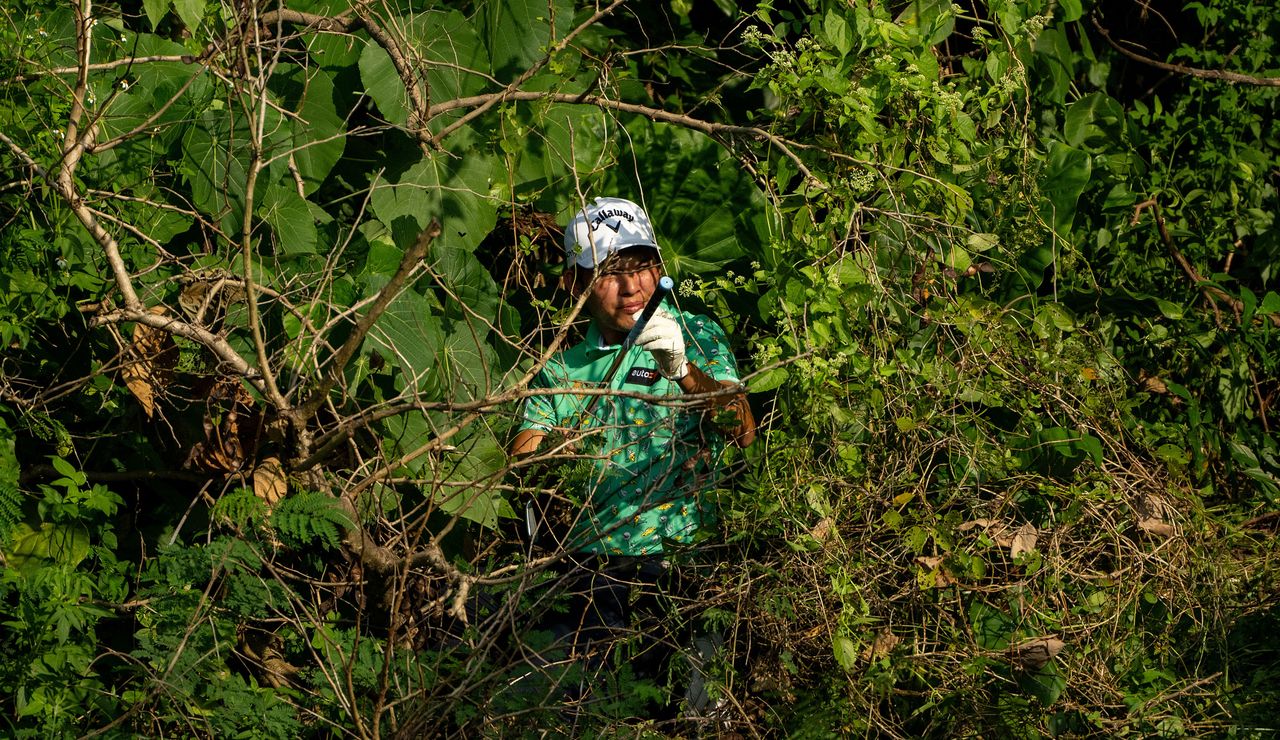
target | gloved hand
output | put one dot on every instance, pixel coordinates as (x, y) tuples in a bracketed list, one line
[(664, 340)]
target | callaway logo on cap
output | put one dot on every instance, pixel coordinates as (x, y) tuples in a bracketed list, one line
[(604, 227)]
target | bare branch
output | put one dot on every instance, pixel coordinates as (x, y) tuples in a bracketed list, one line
[(214, 343), (523, 78), (412, 257), (1206, 286), (1204, 74)]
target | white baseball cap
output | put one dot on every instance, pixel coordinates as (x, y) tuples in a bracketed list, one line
[(606, 226)]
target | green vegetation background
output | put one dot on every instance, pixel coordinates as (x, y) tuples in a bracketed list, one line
[(274, 278)]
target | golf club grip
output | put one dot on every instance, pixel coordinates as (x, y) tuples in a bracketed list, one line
[(665, 284)]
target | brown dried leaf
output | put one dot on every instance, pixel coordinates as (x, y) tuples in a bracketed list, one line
[(933, 563), (228, 444), (269, 481), (884, 643), (1157, 527), (1036, 652), (153, 355), (1024, 540), (997, 530), (1156, 516)]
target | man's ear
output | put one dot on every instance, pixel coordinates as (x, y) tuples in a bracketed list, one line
[(575, 280)]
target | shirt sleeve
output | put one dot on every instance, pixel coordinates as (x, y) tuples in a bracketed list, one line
[(539, 411), (707, 348)]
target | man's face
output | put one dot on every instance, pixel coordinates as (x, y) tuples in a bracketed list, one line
[(625, 283)]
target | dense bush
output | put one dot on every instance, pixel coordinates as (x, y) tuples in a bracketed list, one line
[(274, 279)]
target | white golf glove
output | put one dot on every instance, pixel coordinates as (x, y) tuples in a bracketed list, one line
[(664, 340)]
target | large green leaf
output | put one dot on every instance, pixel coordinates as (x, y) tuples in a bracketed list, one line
[(318, 131), (190, 11), (706, 210), (156, 10), (454, 191), (554, 142), (213, 165), (32, 548), (409, 336), (445, 43), (290, 218), (517, 33), (1065, 179)]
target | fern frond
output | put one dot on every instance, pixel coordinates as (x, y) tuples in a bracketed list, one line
[(241, 509), (10, 509), (308, 517)]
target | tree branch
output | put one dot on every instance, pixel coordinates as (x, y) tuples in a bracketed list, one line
[(1206, 286), (412, 257), (523, 78), (214, 343), (1205, 74)]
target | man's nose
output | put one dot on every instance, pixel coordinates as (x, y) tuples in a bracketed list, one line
[(629, 282)]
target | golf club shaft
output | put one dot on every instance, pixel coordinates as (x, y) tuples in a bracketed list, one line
[(665, 284)]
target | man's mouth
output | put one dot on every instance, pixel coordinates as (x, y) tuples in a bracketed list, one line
[(631, 308)]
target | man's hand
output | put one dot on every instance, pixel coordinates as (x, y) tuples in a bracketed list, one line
[(664, 340)]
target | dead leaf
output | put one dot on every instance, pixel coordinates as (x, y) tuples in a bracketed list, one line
[(822, 529), (152, 357), (933, 563), (1157, 527), (1156, 516), (1033, 654), (230, 438), (1024, 540), (269, 481), (884, 643), (997, 530)]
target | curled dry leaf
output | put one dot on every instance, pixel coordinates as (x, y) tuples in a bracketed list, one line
[(933, 564), (884, 643), (269, 481), (1033, 654), (149, 366), (822, 530), (1024, 540), (1155, 516), (228, 441), (997, 530)]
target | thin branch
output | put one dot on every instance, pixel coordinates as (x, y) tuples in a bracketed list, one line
[(103, 66), (654, 114), (22, 155), (523, 78), (1204, 74), (214, 343), (1206, 286), (257, 125), (408, 263)]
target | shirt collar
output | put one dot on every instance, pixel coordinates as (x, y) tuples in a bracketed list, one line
[(595, 340)]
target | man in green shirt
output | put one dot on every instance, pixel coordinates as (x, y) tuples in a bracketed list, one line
[(655, 459), (654, 453)]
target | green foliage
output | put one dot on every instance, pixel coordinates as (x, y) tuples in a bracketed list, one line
[(1005, 298), (307, 517)]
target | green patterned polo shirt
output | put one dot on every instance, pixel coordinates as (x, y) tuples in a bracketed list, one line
[(653, 462)]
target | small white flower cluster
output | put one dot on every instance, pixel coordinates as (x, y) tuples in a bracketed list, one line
[(1035, 25), (1012, 81), (950, 99), (752, 36), (861, 181), (687, 288)]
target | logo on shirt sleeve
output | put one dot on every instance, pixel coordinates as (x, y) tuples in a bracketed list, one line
[(642, 376)]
